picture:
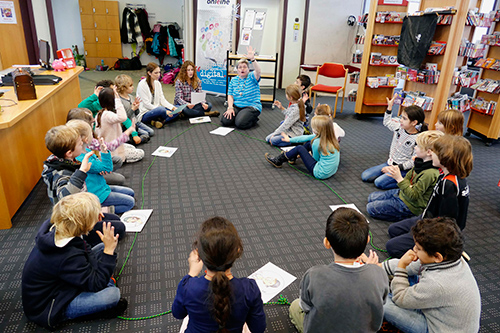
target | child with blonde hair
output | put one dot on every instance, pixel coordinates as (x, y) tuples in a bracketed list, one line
[(326, 110), (324, 147), (450, 197), (450, 122), (108, 124), (125, 87), (122, 198), (64, 278), (218, 301), (295, 116), (414, 190)]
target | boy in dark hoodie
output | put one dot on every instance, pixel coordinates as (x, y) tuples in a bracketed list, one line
[(63, 175), (64, 278), (414, 190)]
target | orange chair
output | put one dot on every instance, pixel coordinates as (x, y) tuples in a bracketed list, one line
[(331, 70)]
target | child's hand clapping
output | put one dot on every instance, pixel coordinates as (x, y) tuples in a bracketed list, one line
[(372, 259), (195, 263), (85, 166), (104, 148), (278, 104), (108, 237), (136, 103), (394, 172)]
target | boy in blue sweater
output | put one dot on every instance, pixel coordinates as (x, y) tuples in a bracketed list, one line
[(64, 278)]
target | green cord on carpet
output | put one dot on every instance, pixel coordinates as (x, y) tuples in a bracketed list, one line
[(282, 300)]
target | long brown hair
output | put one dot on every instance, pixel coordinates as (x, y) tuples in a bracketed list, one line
[(455, 154), (323, 127), (107, 101), (149, 69), (183, 77), (293, 91), (219, 245)]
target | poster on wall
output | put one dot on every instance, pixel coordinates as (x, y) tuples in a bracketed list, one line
[(212, 41), (7, 13)]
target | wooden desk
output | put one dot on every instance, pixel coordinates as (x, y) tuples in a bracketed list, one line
[(22, 135)]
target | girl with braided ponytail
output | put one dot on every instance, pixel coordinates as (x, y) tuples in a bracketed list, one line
[(218, 301)]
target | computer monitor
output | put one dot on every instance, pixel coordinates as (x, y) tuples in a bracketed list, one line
[(44, 48)]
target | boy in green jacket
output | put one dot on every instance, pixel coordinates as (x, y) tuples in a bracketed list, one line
[(414, 190)]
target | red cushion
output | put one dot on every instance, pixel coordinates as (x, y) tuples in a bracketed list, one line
[(325, 88)]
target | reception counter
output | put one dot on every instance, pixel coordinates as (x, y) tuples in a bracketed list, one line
[(22, 137)]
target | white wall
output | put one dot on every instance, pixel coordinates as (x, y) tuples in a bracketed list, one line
[(271, 33), (67, 24), (42, 22), (329, 38), (291, 63)]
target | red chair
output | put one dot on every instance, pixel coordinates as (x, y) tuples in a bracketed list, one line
[(331, 70)]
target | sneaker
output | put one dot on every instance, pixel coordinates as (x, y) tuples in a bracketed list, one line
[(157, 124), (144, 138), (212, 113)]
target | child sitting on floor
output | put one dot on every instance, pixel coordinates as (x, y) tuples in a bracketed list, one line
[(415, 188), (402, 147), (121, 197), (295, 116), (326, 110), (63, 277), (325, 158), (450, 197), (304, 82), (92, 102), (446, 297), (218, 301), (346, 295), (108, 124), (125, 87), (450, 122), (112, 178)]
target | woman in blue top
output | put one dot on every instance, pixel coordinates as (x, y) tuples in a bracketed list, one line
[(243, 95), (323, 145), (218, 301)]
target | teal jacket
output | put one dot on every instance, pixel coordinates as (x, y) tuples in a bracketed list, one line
[(327, 165), (96, 183)]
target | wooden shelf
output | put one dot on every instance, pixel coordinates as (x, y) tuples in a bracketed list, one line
[(380, 87), (266, 98), (386, 45), (386, 65), (374, 103), (389, 22), (481, 112)]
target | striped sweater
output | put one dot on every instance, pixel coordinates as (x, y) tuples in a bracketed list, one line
[(446, 293), (403, 144)]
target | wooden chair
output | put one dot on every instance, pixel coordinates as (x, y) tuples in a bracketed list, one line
[(330, 70)]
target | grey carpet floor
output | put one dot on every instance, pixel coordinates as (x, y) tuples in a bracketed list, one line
[(279, 213)]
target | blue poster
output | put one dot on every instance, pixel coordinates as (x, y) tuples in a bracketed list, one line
[(212, 42)]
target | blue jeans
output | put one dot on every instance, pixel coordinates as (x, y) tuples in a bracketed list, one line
[(401, 237), (143, 129), (158, 113), (380, 179), (121, 197), (197, 110), (407, 320), (277, 140), (387, 206), (303, 152), (88, 303)]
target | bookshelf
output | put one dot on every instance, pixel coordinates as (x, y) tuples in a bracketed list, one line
[(484, 125), (373, 100)]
